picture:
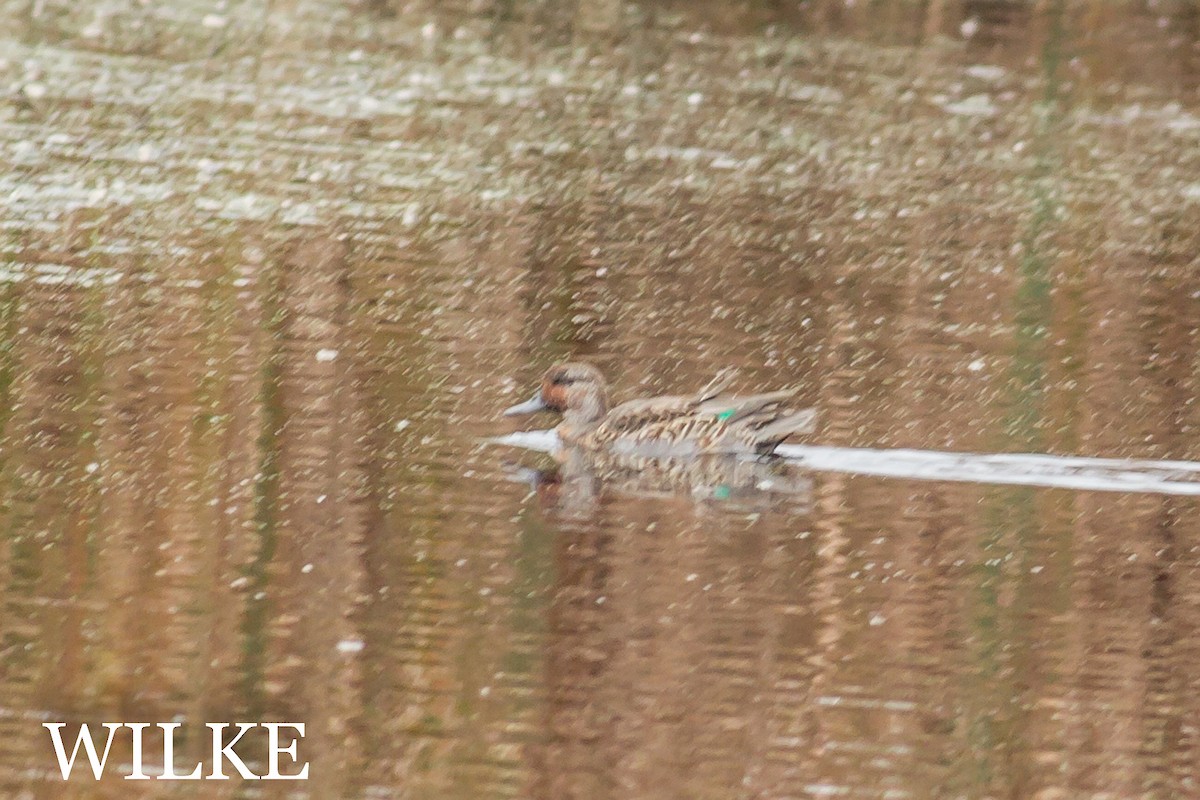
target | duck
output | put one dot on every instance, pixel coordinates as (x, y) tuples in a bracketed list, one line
[(711, 421)]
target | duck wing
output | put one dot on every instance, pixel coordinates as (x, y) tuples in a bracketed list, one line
[(633, 415), (756, 423), (706, 422), (733, 410)]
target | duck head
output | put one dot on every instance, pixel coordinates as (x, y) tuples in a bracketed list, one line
[(574, 389)]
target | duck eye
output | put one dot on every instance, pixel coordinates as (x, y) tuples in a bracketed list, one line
[(562, 380)]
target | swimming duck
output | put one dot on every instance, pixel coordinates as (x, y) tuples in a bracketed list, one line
[(709, 421)]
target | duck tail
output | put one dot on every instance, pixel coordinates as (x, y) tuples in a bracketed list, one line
[(770, 435), (716, 386)]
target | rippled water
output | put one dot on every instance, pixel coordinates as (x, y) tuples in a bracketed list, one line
[(270, 271)]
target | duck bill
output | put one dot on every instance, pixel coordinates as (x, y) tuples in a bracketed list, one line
[(531, 405)]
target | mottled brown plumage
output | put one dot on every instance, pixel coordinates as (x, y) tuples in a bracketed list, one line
[(709, 421)]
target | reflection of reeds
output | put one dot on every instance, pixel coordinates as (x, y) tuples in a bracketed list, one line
[(9, 319), (44, 516), (265, 496), (176, 460), (314, 575), (1012, 537)]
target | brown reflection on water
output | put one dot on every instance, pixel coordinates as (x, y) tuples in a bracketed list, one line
[(257, 316)]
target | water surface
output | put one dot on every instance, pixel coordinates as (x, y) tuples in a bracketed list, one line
[(270, 272)]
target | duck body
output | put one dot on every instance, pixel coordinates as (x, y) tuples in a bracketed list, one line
[(675, 426)]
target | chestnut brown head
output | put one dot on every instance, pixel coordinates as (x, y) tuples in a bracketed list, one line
[(574, 389)]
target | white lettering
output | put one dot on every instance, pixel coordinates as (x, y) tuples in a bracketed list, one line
[(273, 751), (220, 753), (169, 756), (89, 746), (137, 728)]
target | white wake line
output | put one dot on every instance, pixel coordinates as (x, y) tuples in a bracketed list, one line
[(1014, 469)]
